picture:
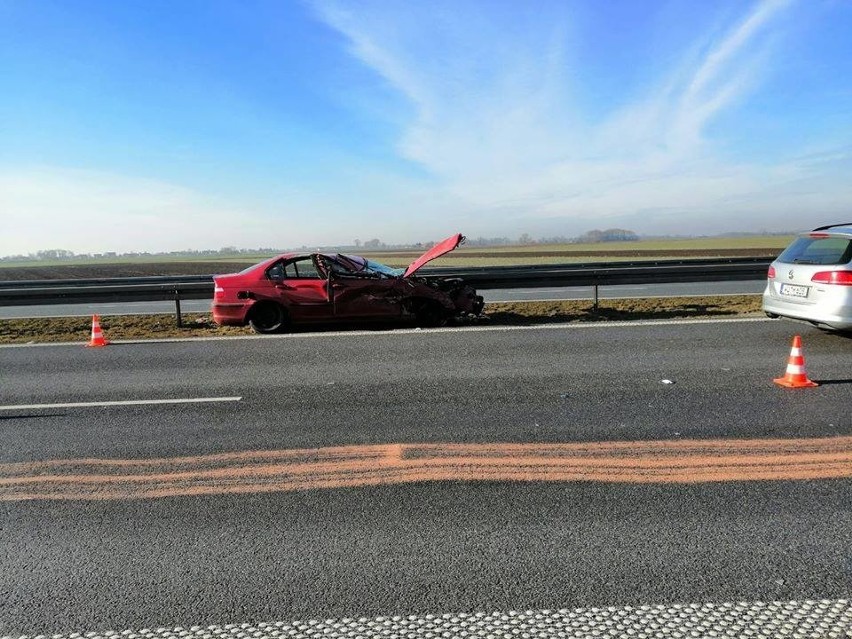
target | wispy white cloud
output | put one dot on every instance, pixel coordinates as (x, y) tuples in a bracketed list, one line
[(500, 126), (726, 71), (487, 87)]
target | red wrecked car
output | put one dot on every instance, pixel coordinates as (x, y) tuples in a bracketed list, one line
[(304, 288)]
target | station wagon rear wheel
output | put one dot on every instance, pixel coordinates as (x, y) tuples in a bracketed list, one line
[(267, 317)]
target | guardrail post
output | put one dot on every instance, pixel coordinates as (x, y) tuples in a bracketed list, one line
[(595, 306), (177, 309)]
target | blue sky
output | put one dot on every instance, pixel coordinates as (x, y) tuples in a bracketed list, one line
[(161, 125)]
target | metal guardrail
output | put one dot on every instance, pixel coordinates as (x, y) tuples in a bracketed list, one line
[(608, 273), (139, 289)]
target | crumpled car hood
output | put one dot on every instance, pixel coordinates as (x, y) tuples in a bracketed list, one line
[(441, 248)]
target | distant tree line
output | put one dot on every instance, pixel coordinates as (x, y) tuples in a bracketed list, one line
[(591, 237), (375, 244), (62, 254), (609, 235)]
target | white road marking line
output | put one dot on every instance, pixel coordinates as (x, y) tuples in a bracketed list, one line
[(795, 619), (129, 402), (413, 331)]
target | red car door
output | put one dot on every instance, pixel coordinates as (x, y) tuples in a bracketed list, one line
[(359, 297), (302, 290)]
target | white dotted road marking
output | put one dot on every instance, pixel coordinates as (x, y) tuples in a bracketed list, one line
[(130, 402), (791, 619)]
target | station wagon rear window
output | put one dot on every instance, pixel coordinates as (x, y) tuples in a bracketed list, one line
[(830, 250)]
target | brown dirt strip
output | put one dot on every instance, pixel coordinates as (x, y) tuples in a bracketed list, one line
[(107, 270), (131, 327), (669, 461)]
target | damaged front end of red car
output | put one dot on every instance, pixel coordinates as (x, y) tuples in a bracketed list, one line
[(459, 300)]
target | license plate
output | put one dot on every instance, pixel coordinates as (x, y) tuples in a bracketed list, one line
[(794, 291)]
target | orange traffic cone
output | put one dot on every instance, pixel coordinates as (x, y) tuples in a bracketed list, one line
[(795, 377), (97, 334)]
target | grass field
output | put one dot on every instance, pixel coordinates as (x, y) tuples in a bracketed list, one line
[(464, 256)]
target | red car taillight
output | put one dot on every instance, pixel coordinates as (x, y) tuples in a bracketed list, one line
[(844, 278), (771, 273), (218, 291)]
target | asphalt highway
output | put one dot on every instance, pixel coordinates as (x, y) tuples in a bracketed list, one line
[(380, 473), (490, 295)]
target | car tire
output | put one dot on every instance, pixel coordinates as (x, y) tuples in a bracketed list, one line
[(267, 317), (430, 314)]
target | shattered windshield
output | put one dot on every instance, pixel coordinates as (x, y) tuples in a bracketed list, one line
[(357, 265), (377, 267)]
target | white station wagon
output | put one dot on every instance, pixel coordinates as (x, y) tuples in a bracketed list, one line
[(811, 281)]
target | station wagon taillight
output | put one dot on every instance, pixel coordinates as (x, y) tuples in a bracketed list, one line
[(771, 273), (844, 278)]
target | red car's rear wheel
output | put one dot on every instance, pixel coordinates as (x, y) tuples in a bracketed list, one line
[(267, 317)]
